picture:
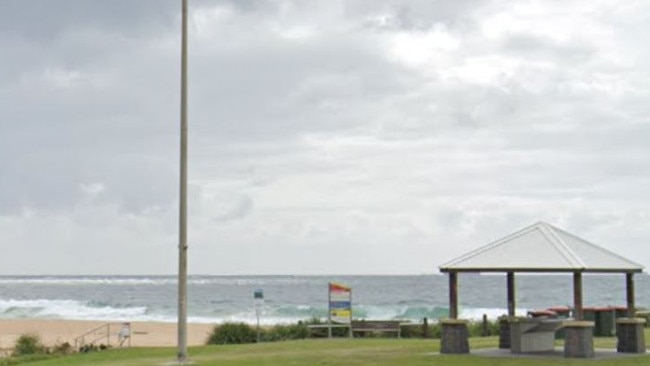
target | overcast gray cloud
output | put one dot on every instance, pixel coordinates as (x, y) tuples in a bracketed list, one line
[(321, 132)]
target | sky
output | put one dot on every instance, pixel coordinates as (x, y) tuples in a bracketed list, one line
[(325, 137)]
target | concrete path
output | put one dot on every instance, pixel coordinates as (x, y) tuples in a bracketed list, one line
[(600, 354)]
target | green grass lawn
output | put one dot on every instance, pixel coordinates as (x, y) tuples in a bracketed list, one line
[(377, 351)]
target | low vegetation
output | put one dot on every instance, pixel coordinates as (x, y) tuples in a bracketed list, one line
[(29, 344), (241, 333), (322, 352), (232, 333), (340, 351)]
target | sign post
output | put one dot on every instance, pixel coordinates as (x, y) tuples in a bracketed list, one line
[(258, 297)]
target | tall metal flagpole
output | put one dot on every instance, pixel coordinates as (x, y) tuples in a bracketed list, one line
[(182, 232)]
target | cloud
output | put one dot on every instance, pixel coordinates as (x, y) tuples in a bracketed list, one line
[(404, 133)]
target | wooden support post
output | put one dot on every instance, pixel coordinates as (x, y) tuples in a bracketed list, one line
[(453, 295), (577, 295), (425, 327), (511, 294), (629, 285), (485, 326)]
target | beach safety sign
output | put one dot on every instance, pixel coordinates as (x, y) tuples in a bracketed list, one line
[(340, 303), (258, 296)]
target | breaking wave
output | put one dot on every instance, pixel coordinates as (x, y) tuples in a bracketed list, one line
[(269, 314)]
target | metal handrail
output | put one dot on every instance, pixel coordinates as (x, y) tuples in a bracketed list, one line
[(104, 332)]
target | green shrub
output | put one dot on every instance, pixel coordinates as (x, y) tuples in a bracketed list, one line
[(314, 321), (232, 333), (29, 344), (435, 330), (286, 332), (64, 348), (87, 348), (477, 329)]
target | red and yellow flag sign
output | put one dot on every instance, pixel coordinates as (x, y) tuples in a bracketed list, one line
[(340, 303)]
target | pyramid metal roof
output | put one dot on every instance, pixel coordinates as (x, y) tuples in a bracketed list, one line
[(541, 248)]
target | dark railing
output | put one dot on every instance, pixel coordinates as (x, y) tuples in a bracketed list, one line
[(118, 333)]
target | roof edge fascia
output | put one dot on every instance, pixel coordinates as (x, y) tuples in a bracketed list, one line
[(540, 270)]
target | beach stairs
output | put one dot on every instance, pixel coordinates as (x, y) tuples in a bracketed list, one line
[(105, 336)]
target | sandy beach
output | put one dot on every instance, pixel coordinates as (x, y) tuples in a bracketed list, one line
[(143, 334)]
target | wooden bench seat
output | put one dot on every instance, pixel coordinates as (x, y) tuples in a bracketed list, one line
[(376, 326)]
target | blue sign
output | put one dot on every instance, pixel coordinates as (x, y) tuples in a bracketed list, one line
[(258, 294)]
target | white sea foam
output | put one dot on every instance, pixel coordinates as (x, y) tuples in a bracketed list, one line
[(79, 310), (67, 309), (491, 313)]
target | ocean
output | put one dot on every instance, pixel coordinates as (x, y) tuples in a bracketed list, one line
[(288, 299)]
